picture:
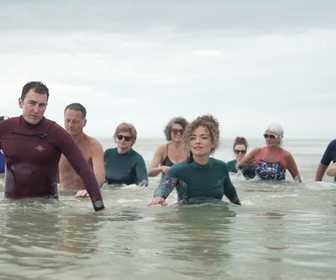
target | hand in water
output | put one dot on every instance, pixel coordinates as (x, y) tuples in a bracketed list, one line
[(158, 200), (248, 170), (82, 193), (143, 183)]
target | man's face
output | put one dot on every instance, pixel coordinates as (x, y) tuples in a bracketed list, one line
[(33, 106), (74, 122)]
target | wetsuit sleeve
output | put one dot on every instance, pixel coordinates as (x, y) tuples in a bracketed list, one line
[(166, 186), (230, 191), (329, 154), (108, 160), (63, 140), (231, 165), (141, 172)]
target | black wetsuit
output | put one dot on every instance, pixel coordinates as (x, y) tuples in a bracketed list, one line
[(329, 154), (167, 161)]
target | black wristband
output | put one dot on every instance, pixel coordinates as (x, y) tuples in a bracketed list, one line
[(98, 205)]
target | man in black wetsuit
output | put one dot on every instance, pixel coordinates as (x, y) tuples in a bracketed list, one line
[(329, 156), (32, 146)]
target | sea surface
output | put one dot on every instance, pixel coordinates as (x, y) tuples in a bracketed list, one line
[(283, 230)]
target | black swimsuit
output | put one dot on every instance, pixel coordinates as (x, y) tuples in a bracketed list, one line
[(167, 161)]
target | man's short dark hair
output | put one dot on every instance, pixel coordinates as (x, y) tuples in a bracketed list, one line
[(38, 87), (77, 107)]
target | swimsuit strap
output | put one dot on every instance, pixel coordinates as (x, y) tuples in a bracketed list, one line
[(165, 156), (261, 154), (280, 157)]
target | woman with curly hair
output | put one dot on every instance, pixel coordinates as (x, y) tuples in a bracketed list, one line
[(200, 178)]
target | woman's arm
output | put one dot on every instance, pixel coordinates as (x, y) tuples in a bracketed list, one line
[(141, 171), (154, 167), (291, 166), (249, 158), (230, 191), (163, 190)]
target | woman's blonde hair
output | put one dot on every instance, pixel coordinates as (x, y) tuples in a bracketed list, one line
[(126, 127)]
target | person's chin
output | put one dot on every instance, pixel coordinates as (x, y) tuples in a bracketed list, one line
[(199, 153), (33, 121)]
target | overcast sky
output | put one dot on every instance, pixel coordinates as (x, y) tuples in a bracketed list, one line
[(249, 63)]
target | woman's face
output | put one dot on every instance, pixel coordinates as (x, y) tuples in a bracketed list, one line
[(200, 142), (272, 140), (240, 151), (124, 140), (176, 132)]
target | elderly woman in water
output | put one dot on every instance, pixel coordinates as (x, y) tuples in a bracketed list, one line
[(166, 155), (272, 160), (200, 177)]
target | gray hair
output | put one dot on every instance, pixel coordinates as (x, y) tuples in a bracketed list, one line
[(178, 120)]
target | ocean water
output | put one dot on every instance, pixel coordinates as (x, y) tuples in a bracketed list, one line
[(282, 230)]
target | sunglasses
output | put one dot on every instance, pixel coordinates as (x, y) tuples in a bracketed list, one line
[(127, 138), (176, 131), (243, 152), (270, 136)]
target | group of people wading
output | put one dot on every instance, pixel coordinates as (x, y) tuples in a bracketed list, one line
[(38, 157)]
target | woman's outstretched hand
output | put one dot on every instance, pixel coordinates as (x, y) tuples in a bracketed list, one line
[(158, 200)]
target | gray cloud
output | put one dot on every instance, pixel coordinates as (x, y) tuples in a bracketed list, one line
[(179, 15)]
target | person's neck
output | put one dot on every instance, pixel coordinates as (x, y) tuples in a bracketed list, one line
[(176, 144), (203, 160), (79, 137), (122, 150), (273, 150)]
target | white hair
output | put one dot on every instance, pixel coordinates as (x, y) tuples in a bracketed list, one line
[(278, 130)]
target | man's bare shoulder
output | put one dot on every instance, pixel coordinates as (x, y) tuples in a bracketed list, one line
[(91, 140)]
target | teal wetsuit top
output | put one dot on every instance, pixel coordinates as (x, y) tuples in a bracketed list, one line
[(194, 181), (128, 168), (232, 165)]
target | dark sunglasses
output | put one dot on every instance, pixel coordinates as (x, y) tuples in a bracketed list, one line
[(243, 152), (176, 131), (270, 136), (127, 138)]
